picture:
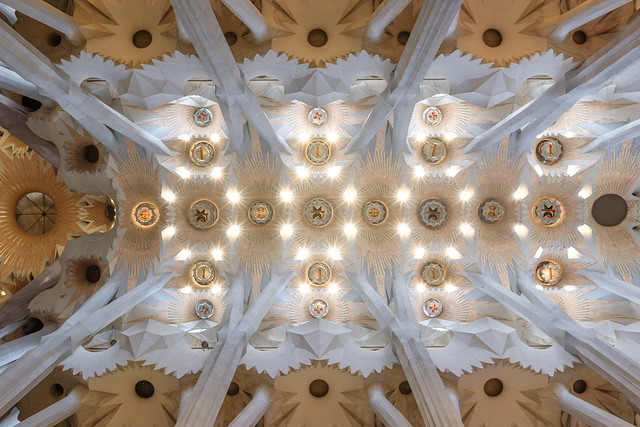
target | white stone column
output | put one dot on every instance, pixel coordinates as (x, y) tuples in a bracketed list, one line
[(48, 15), (94, 315), (217, 373), (255, 409), (581, 14), (585, 411), (389, 414), (185, 395), (251, 17), (60, 410), (13, 350), (383, 15)]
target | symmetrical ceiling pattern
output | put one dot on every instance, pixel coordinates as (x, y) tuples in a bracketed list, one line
[(299, 212)]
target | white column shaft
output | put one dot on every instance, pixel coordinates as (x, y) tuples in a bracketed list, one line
[(251, 17), (57, 412), (581, 14), (383, 15), (48, 15), (585, 411), (389, 414), (254, 410)]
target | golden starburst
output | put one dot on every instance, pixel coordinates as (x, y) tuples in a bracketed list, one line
[(79, 150)]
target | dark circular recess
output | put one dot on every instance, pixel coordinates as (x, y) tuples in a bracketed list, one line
[(54, 39), (403, 37), (56, 390), (205, 345), (145, 389), (231, 38), (580, 386), (233, 389), (493, 387), (30, 103), (579, 37), (113, 342), (91, 153), (318, 388), (110, 213), (32, 325), (492, 37), (93, 273), (609, 210), (404, 387), (141, 39), (317, 37)]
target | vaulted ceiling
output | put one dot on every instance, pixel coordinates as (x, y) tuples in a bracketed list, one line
[(301, 212)]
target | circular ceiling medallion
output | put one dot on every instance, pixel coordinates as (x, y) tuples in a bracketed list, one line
[(432, 212), (549, 272), (318, 388), (318, 212), (319, 273), (203, 273), (204, 309), (432, 116), (35, 213), (260, 213), (145, 214), (490, 211), (317, 37), (318, 308), (202, 117), (548, 211), (549, 151), (375, 212), (202, 153), (318, 116), (609, 210), (434, 151), (318, 152), (432, 307), (433, 273), (203, 214)]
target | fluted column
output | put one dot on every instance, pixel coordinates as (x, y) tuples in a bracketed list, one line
[(95, 314), (219, 368), (49, 16), (383, 15), (581, 14), (389, 414), (590, 414), (60, 410), (255, 409), (250, 16)]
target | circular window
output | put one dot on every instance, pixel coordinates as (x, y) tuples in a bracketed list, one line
[(35, 213)]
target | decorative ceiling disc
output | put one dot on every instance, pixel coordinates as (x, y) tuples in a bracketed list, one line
[(549, 272), (548, 212), (204, 309), (434, 151), (202, 117), (432, 116), (318, 308), (318, 116), (318, 152), (35, 213), (490, 211), (260, 213), (319, 273), (202, 153), (549, 151), (375, 212), (432, 213), (145, 214), (433, 273), (318, 212), (432, 307), (203, 214), (203, 273)]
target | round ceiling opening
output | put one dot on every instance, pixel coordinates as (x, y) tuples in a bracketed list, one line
[(141, 39), (145, 389), (609, 210), (317, 37), (493, 387), (492, 37), (318, 388), (35, 213)]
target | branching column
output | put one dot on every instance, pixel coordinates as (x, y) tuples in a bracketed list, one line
[(255, 409), (384, 409), (60, 410), (585, 411)]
